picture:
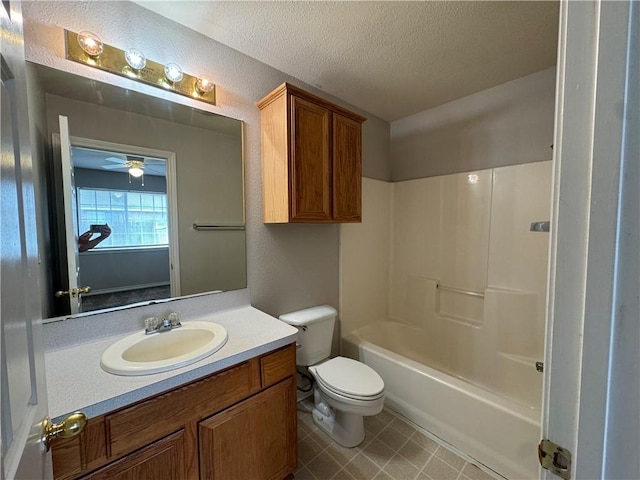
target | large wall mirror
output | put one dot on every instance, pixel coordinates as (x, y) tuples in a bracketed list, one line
[(144, 197)]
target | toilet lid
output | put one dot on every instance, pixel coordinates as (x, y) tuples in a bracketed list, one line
[(351, 377)]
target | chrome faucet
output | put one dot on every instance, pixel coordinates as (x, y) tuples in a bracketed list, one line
[(154, 325)]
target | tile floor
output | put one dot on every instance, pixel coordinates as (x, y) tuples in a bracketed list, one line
[(392, 450)]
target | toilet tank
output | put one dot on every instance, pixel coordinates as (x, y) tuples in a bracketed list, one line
[(315, 333)]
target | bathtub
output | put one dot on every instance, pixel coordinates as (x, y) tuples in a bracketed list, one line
[(494, 430)]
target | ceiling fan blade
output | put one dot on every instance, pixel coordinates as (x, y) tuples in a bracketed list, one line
[(115, 167), (156, 170), (154, 161), (115, 160)]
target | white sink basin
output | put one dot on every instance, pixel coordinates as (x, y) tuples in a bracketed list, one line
[(141, 354)]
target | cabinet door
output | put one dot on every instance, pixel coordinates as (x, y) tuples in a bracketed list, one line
[(162, 460), (347, 169), (310, 162), (255, 440)]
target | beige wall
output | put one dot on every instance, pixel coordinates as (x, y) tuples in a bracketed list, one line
[(289, 266), (504, 125)]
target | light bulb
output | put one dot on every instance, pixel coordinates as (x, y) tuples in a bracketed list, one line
[(136, 172), (90, 43), (135, 58), (204, 84), (173, 72)]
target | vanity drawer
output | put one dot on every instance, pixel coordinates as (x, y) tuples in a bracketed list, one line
[(162, 459), (145, 422), (278, 365)]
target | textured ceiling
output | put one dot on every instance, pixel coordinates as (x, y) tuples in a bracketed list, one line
[(392, 59)]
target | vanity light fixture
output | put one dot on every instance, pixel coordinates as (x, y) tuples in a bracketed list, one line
[(173, 72), (90, 43), (204, 84), (88, 49), (135, 59)]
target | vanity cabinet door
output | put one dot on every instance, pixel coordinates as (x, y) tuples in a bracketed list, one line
[(162, 460), (255, 439)]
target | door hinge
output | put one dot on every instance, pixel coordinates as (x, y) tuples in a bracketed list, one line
[(555, 459)]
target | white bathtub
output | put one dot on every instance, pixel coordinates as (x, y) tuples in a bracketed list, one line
[(494, 430)]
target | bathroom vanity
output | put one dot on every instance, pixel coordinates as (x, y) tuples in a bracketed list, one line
[(231, 415)]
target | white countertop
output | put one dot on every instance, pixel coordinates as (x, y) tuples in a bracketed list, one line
[(75, 380)]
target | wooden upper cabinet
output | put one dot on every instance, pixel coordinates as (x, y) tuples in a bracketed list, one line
[(310, 162), (311, 159)]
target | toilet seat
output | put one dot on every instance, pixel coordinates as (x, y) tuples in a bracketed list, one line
[(349, 378)]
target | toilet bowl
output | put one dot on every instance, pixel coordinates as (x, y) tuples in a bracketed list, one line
[(345, 390)]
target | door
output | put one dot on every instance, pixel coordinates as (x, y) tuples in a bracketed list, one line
[(591, 402), (70, 217), (23, 386)]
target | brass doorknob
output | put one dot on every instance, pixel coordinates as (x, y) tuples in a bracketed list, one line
[(69, 427), (73, 293)]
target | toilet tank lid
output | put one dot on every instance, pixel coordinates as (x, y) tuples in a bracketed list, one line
[(309, 315)]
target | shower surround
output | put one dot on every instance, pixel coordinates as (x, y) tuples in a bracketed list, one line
[(446, 273)]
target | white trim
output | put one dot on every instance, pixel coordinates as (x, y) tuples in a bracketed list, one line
[(622, 427), (174, 251)]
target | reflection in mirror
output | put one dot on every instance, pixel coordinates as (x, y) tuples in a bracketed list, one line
[(145, 171), (122, 227)]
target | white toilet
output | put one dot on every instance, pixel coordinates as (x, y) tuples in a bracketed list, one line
[(345, 390)]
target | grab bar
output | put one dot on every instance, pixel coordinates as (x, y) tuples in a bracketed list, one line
[(460, 290), (198, 226)]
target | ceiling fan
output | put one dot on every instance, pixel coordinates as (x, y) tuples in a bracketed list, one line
[(136, 166)]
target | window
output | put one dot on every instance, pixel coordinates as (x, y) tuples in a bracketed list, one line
[(137, 219)]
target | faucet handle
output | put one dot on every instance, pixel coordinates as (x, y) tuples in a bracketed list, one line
[(150, 323), (174, 319)]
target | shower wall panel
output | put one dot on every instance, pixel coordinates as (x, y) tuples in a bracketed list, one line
[(364, 259)]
